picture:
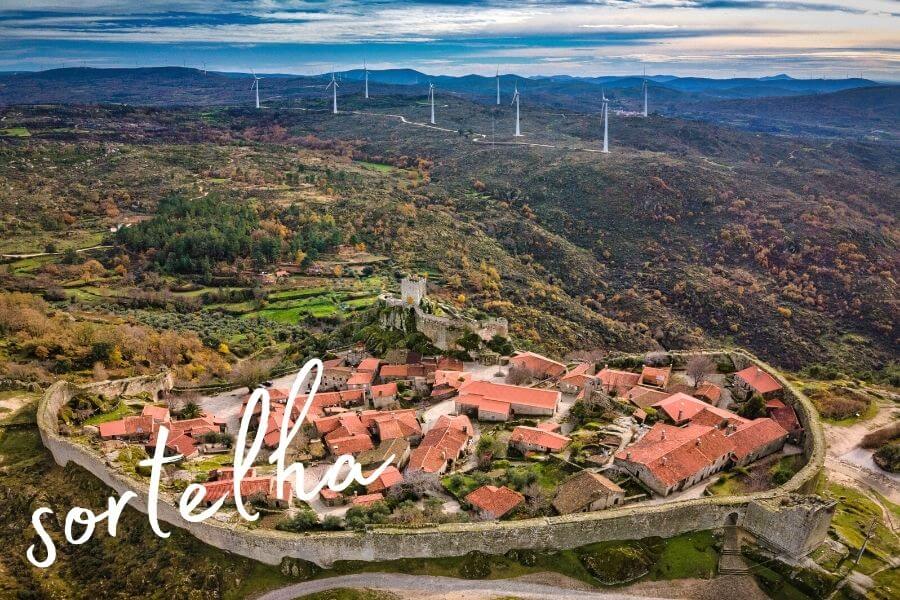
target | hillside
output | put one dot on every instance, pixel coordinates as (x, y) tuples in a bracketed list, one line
[(775, 105), (686, 234), (867, 113)]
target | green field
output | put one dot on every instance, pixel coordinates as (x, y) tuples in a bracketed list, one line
[(15, 132)]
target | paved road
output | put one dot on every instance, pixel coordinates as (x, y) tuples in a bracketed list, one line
[(434, 585)]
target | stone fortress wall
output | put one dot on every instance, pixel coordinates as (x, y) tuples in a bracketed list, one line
[(442, 331), (783, 519)]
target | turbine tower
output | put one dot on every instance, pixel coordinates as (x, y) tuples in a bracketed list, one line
[(255, 86), (366, 76), (498, 85), (645, 92), (333, 84), (605, 118), (431, 99), (515, 101)]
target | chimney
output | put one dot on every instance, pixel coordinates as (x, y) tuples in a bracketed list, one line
[(628, 455), (663, 435), (680, 413), (698, 441)]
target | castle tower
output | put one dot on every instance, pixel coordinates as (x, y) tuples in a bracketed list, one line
[(413, 290)]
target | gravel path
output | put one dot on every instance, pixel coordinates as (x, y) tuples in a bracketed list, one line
[(428, 585)]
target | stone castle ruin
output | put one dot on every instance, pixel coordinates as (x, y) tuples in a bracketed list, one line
[(415, 311)]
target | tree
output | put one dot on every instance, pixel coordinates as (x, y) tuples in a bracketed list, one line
[(191, 410), (518, 375), (753, 408), (304, 520), (698, 367), (251, 372)]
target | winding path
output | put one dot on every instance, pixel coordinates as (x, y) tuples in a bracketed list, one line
[(430, 585)]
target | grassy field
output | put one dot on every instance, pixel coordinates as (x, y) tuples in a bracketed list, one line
[(120, 411), (15, 132), (854, 515)]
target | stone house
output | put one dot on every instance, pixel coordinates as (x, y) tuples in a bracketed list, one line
[(587, 491)]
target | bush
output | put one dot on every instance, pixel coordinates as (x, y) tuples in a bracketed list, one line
[(888, 457), (475, 565), (879, 437), (302, 521), (618, 563)]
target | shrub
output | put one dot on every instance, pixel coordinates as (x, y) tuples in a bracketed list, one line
[(888, 457), (304, 520), (475, 565), (879, 437)]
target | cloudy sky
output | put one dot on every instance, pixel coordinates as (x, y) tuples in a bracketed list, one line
[(722, 38)]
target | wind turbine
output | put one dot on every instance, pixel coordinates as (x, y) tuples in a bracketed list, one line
[(515, 101), (333, 84), (366, 77), (645, 92), (498, 85), (255, 86), (431, 99), (605, 118)]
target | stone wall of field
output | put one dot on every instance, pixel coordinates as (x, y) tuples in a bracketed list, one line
[(783, 518)]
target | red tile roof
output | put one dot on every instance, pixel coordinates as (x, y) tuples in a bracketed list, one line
[(539, 437), (369, 364), (538, 364), (353, 444), (786, 417), (367, 499), (549, 426), (129, 426), (673, 454), (620, 381), (361, 378), (751, 436), (157, 413), (709, 391), (658, 376), (481, 403), (760, 381), (513, 394), (495, 501), (681, 407), (385, 390), (443, 442), (454, 379), (388, 478), (250, 487)]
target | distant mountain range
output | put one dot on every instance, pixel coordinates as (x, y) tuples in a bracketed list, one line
[(755, 103)]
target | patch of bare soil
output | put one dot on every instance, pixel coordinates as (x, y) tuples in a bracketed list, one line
[(727, 587)]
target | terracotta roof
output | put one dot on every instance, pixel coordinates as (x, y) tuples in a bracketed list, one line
[(385, 390), (402, 371), (658, 376), (352, 444), (582, 489), (709, 391), (250, 486), (513, 394), (643, 397), (751, 436), (536, 363), (760, 381), (454, 379), (131, 425), (391, 424), (182, 444), (443, 442), (681, 407), (362, 378), (673, 454), (548, 426), (333, 362), (579, 369), (369, 364), (329, 494), (367, 499), (388, 478), (539, 437), (786, 417), (495, 501), (774, 403), (157, 413), (621, 381), (486, 404), (458, 422)]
